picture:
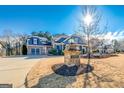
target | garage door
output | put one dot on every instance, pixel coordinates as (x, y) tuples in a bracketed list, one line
[(37, 51), (33, 51)]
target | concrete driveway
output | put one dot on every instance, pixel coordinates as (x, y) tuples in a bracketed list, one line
[(13, 70)]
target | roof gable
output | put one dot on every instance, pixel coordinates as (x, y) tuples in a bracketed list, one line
[(40, 41), (74, 39)]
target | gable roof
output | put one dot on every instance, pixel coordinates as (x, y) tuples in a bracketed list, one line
[(41, 38), (76, 38), (59, 38), (65, 39)]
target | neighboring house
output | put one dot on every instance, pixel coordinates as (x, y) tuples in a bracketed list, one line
[(106, 49), (62, 41), (38, 45)]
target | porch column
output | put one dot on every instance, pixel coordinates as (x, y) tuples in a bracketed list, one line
[(45, 49), (40, 49), (28, 50)]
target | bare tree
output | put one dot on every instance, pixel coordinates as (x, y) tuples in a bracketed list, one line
[(7, 38), (13, 41), (21, 40), (91, 27)]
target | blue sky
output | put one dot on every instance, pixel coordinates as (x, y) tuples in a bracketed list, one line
[(55, 19)]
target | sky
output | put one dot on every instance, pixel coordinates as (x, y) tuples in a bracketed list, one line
[(56, 19)]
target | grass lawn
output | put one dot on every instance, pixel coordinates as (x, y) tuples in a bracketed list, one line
[(107, 73)]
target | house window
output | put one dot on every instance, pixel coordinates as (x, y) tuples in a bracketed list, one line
[(28, 41), (34, 41), (76, 40)]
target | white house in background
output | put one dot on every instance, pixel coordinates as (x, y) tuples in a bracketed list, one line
[(38, 46), (106, 49)]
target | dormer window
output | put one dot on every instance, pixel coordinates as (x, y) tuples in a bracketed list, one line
[(34, 41), (43, 42)]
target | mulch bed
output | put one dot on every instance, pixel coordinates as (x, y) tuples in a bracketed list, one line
[(65, 70)]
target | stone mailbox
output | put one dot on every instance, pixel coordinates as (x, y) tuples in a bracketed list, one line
[(72, 55)]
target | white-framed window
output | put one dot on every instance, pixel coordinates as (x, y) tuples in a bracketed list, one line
[(28, 41), (35, 41)]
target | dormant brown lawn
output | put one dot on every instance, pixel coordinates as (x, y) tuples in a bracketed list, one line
[(108, 72)]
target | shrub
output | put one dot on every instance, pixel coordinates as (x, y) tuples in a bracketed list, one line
[(24, 50), (83, 51), (53, 51), (95, 51), (117, 51), (62, 52)]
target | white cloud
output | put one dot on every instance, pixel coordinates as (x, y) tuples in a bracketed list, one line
[(108, 35), (114, 35), (121, 33)]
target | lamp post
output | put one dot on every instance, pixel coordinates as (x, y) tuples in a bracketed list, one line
[(87, 21)]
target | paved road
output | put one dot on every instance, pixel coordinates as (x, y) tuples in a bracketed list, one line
[(13, 70)]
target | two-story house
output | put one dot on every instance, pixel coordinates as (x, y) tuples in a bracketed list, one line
[(61, 41), (38, 46)]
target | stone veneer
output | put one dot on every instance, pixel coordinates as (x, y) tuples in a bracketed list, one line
[(72, 55)]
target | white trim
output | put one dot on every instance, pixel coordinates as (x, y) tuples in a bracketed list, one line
[(45, 50), (42, 38), (58, 43), (39, 45), (28, 41), (57, 38)]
